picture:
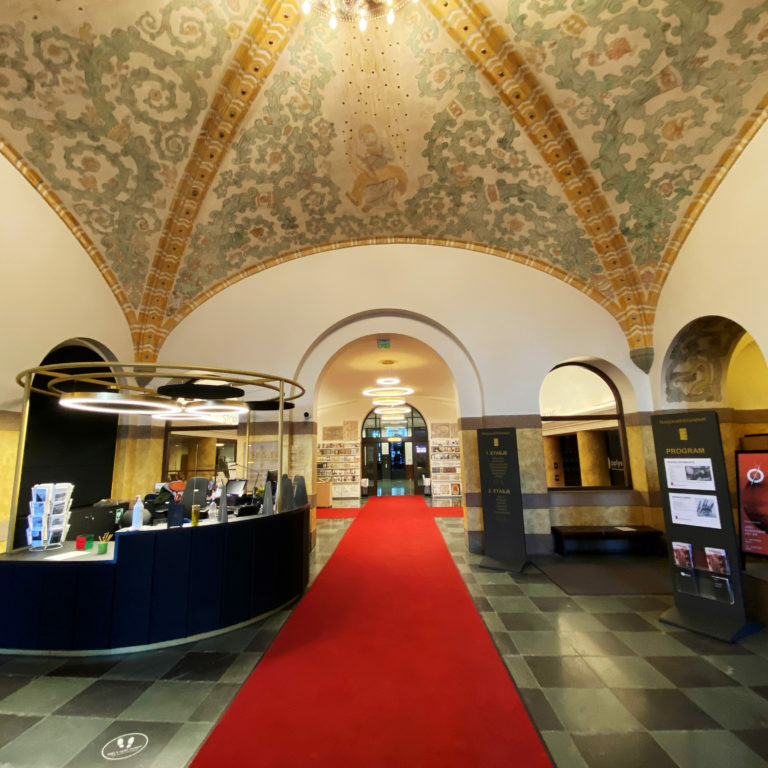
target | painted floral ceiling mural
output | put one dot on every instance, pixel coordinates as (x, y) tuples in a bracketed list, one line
[(190, 144)]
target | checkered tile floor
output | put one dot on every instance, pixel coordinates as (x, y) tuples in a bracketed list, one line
[(606, 684)]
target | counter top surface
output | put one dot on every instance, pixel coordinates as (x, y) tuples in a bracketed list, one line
[(68, 552)]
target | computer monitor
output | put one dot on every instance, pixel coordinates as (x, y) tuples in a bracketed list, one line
[(195, 492), (272, 478), (235, 488)]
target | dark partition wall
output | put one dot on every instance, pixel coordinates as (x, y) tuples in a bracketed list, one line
[(66, 446)]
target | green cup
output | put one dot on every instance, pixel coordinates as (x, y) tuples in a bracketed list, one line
[(102, 547)]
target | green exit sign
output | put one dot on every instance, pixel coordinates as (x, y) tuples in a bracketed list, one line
[(382, 343)]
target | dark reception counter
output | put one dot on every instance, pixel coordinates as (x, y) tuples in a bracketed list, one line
[(160, 585)]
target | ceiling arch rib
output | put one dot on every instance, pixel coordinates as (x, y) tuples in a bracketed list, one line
[(171, 322), (264, 40), (486, 44)]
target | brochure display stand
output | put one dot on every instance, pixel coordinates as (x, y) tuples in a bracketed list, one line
[(48, 518), (705, 557), (339, 464), (446, 466)]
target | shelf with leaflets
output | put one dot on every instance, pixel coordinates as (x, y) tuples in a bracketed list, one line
[(338, 463), (445, 461)]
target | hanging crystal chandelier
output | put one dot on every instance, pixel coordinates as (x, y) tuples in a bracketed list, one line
[(356, 11)]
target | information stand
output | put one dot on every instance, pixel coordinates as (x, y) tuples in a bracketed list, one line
[(502, 500), (704, 551)]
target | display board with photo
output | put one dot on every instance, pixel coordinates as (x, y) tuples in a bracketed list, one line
[(704, 552), (752, 479)]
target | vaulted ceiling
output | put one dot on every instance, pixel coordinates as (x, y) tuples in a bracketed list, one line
[(190, 144)]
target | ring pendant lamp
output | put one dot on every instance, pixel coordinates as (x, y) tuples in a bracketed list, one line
[(117, 403), (389, 401), (388, 391), (217, 407), (389, 411), (388, 381), (130, 388)]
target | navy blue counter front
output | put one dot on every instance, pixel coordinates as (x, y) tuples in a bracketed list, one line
[(160, 585)]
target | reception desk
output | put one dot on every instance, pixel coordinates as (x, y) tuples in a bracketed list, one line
[(159, 586)]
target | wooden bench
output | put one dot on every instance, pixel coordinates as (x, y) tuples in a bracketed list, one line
[(606, 538)]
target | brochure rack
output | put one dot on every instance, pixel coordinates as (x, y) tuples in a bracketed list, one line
[(48, 519), (339, 464), (445, 461)]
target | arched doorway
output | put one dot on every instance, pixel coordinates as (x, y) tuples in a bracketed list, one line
[(64, 445), (394, 453)]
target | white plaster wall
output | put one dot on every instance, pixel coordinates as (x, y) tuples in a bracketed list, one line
[(515, 322), (722, 268), (51, 290)]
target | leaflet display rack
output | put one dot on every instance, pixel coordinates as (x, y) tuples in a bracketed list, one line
[(705, 557), (338, 463), (48, 519), (445, 461)]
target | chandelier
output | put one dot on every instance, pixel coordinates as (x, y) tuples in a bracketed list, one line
[(359, 11)]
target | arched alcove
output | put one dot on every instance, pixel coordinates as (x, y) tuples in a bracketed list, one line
[(65, 445), (346, 394), (582, 421), (696, 363)]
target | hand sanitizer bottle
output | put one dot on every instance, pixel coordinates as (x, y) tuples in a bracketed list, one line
[(138, 514)]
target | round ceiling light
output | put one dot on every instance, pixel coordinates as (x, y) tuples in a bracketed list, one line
[(390, 419), (117, 403), (388, 381), (182, 415), (217, 407), (389, 401), (391, 411), (387, 391)]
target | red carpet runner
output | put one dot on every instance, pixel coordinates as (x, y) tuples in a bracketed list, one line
[(384, 662), (332, 513)]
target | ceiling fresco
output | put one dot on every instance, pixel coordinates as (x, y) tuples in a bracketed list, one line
[(190, 144)]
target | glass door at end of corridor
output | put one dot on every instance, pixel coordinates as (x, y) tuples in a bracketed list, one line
[(371, 461)]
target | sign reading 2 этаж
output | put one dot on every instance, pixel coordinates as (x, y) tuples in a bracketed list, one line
[(502, 499)]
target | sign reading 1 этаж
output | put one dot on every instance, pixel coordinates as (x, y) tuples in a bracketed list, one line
[(705, 557), (502, 499)]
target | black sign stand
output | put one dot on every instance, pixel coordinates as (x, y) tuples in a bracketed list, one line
[(502, 501), (704, 551)]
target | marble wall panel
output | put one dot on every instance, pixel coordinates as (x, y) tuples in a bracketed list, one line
[(138, 459)]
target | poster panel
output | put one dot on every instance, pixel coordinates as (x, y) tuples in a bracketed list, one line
[(690, 474), (752, 479), (700, 510)]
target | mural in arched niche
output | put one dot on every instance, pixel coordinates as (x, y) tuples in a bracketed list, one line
[(696, 362)]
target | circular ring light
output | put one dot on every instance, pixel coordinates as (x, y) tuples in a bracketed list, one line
[(389, 401), (117, 403), (217, 407), (183, 416), (388, 381), (391, 411), (388, 419), (388, 391)]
